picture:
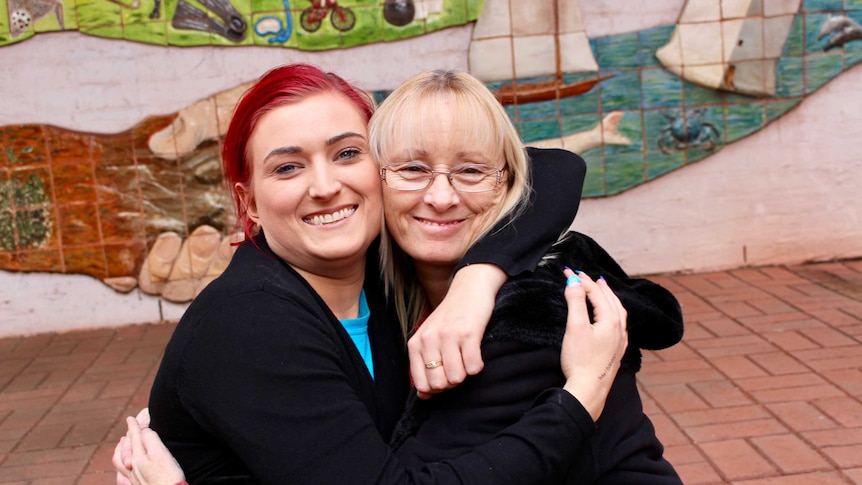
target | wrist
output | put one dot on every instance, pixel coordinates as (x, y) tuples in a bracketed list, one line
[(591, 395), (479, 278)]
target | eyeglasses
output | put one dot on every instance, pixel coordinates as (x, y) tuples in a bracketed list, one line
[(471, 177)]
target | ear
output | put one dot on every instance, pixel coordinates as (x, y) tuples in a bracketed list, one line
[(246, 195)]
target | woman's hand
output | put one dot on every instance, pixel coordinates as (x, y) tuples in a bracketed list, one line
[(453, 332), (141, 458), (149, 463), (592, 352)]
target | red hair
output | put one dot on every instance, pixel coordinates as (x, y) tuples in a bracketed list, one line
[(279, 86)]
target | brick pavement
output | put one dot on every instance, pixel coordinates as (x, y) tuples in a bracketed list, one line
[(766, 387)]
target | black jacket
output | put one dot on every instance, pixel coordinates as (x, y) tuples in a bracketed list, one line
[(521, 350)]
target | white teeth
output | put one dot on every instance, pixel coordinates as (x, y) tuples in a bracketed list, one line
[(336, 216), (432, 223)]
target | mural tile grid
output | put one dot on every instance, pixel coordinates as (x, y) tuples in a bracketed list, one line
[(72, 202)]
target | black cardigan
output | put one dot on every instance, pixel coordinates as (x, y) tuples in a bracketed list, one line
[(521, 350)]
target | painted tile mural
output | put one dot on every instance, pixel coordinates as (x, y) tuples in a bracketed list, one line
[(299, 24), (146, 208)]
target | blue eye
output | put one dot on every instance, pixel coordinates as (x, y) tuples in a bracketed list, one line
[(349, 154), (286, 169)]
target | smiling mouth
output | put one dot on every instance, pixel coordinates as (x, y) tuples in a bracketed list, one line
[(321, 219), (438, 224)]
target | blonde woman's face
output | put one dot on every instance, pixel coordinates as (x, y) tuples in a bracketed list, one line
[(436, 225)]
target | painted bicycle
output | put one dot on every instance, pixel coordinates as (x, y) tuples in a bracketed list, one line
[(342, 18)]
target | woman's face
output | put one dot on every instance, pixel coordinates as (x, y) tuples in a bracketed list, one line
[(437, 225), (315, 189)]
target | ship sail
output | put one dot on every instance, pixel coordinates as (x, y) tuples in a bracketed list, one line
[(517, 39), (733, 46)]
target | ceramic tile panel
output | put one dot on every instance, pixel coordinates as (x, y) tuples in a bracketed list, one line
[(299, 24)]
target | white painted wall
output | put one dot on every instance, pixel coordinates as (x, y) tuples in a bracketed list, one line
[(788, 194)]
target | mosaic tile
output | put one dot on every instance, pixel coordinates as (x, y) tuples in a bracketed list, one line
[(78, 224), (820, 69), (594, 185), (742, 120), (695, 95), (625, 169), (650, 41), (618, 51), (584, 104), (621, 92), (539, 130), (578, 123), (25, 145), (74, 181), (38, 260), (68, 145), (29, 187), (368, 29), (795, 44), (94, 13), (790, 77), (86, 259), (775, 109), (123, 258), (660, 88), (153, 32), (112, 148)]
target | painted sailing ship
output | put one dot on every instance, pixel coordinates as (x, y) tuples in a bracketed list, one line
[(521, 39)]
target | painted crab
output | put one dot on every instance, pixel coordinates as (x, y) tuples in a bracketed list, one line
[(688, 130)]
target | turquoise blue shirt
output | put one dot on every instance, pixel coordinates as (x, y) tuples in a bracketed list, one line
[(357, 328)]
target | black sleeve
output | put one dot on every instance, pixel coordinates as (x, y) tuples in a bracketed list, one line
[(480, 408), (518, 245), (654, 315)]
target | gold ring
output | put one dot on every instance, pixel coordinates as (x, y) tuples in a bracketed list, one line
[(433, 364)]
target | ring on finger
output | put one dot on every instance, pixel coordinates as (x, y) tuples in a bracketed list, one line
[(433, 364)]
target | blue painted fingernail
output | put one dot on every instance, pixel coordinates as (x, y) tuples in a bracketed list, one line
[(573, 280)]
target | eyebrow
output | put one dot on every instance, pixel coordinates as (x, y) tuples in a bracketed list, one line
[(289, 150)]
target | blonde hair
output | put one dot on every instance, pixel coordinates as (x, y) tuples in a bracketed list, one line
[(482, 120)]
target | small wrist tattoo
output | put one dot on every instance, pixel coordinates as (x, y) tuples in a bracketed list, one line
[(608, 367)]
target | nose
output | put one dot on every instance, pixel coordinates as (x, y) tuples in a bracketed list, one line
[(324, 182), (440, 194)]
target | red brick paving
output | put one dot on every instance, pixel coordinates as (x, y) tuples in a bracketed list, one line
[(765, 388)]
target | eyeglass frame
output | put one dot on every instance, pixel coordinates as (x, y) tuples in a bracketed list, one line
[(498, 177)]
